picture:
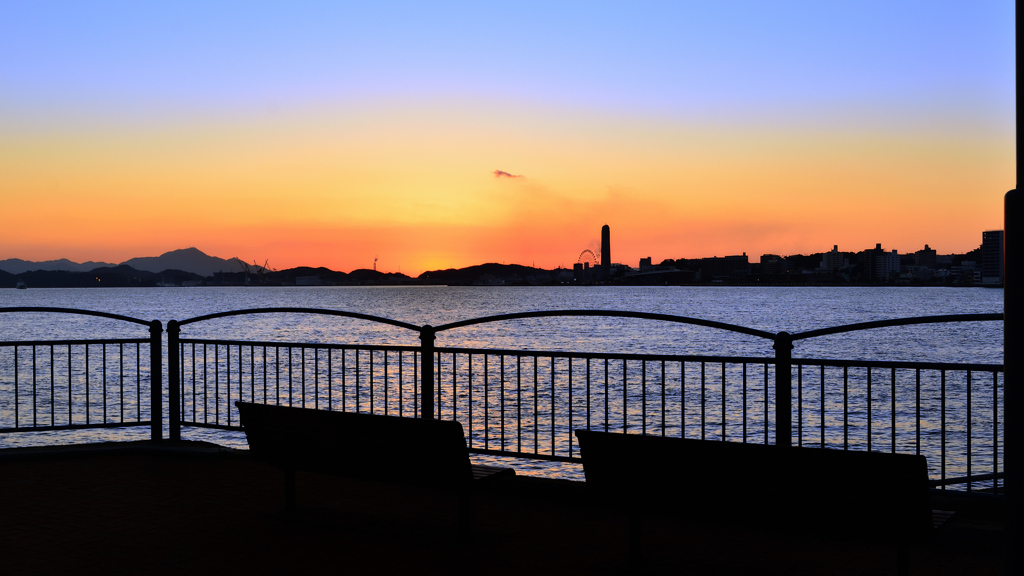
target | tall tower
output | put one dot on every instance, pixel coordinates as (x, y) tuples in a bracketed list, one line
[(606, 249)]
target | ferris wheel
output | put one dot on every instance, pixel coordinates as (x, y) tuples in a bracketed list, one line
[(588, 257)]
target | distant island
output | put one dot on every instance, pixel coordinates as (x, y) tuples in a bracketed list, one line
[(191, 267)]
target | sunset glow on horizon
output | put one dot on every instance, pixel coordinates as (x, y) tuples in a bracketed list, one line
[(431, 138)]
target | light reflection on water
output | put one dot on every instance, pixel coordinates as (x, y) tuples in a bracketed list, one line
[(771, 309)]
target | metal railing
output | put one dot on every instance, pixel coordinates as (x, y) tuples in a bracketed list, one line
[(75, 384), (526, 403)]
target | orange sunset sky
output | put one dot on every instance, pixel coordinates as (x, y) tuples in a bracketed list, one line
[(315, 135)]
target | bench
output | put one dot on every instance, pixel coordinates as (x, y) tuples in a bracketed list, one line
[(411, 451), (846, 495)]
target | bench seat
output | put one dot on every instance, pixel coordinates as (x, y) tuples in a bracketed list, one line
[(370, 447)]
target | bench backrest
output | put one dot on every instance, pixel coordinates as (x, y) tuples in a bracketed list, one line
[(363, 446), (878, 495)]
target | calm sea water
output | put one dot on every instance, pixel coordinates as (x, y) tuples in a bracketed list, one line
[(771, 309), (794, 309)]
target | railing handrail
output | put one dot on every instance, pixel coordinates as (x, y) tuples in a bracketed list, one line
[(608, 313), (295, 310), (944, 318), (57, 310)]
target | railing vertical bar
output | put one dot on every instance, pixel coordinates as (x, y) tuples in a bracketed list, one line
[(194, 382), (355, 389), (995, 426), (265, 376), (502, 397), (227, 382), (664, 404), (344, 382), (821, 408), (625, 398), (917, 411), (723, 402), (703, 398), (372, 381), (766, 407), (138, 383), (487, 394), (469, 395), (252, 373), (437, 391), (216, 383), (892, 408), (643, 396), (569, 431), (103, 382), (120, 361), (553, 421), (88, 418), (942, 426), (387, 385), (870, 417), (277, 375), (799, 404), (519, 403), (607, 393), (682, 399), (743, 408), (846, 408), (35, 409), (16, 378), (71, 387), (302, 375), (330, 379), (970, 429), (588, 392), (53, 400), (536, 408), (455, 388)]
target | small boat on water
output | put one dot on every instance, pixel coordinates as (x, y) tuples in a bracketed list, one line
[(20, 285)]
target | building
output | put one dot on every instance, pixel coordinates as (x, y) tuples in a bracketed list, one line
[(723, 268), (992, 257), (925, 258), (606, 250), (772, 264), (834, 260), (879, 265)]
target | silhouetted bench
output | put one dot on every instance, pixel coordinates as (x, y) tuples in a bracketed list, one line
[(845, 495), (409, 451)]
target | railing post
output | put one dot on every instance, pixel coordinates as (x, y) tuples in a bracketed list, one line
[(1013, 405), (783, 389), (427, 336), (173, 380), (156, 380)]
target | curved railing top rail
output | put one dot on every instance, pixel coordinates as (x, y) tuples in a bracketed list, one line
[(320, 311), (895, 322), (149, 323), (609, 313)]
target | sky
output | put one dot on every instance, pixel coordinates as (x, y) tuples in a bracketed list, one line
[(426, 136)]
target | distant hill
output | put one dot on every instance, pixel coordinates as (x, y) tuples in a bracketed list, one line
[(187, 259), (19, 266), (190, 260), (489, 275)]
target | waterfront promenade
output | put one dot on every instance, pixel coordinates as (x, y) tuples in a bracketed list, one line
[(196, 508)]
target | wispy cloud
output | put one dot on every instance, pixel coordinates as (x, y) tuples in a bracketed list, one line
[(503, 174)]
